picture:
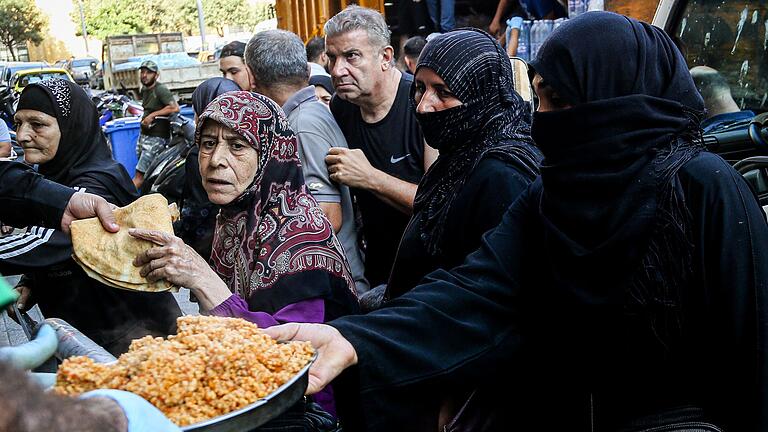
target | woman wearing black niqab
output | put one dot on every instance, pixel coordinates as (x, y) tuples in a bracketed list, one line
[(79, 158), (625, 289), (487, 159)]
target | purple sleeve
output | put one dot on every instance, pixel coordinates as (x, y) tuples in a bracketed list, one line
[(312, 311)]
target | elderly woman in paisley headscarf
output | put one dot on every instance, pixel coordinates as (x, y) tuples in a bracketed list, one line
[(58, 127), (275, 257)]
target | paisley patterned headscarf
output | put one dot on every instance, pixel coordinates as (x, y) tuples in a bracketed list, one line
[(274, 234)]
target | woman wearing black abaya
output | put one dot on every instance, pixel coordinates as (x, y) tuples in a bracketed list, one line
[(625, 289), (468, 110), (58, 127)]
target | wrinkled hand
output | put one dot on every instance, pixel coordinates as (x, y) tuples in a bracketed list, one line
[(84, 205), (179, 264), (334, 352), (350, 167)]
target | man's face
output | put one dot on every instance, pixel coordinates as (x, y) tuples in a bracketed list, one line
[(355, 65), (233, 68), (148, 77)]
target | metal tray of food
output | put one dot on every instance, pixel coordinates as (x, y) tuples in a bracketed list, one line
[(261, 411)]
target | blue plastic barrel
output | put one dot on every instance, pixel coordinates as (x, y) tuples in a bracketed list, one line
[(123, 134)]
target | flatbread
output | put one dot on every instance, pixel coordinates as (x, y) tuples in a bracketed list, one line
[(108, 257)]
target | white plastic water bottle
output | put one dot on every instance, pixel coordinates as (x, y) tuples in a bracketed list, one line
[(596, 5), (524, 41), (572, 8), (535, 37)]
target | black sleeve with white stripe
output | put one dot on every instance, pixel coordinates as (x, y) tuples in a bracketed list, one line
[(36, 248)]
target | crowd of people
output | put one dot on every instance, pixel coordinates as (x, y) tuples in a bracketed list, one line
[(436, 240)]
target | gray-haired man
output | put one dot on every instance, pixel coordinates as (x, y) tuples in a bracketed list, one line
[(386, 156), (278, 63)]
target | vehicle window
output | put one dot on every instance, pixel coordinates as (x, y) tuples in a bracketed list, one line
[(82, 63), (731, 37), (31, 79)]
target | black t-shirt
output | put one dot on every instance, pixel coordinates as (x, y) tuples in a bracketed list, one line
[(394, 145)]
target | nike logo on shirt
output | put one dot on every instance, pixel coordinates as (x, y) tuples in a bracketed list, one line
[(395, 160)]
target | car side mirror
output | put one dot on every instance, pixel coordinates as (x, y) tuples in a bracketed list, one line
[(520, 79)]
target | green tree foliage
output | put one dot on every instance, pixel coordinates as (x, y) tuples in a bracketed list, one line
[(20, 21), (114, 17)]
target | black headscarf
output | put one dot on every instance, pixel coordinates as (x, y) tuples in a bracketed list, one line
[(608, 200), (83, 151), (492, 121), (209, 90)]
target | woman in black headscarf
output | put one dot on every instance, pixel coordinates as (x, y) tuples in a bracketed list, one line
[(58, 127), (468, 110), (626, 289), (198, 214)]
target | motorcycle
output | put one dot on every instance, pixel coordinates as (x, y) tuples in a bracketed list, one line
[(8, 101), (112, 105), (166, 173)]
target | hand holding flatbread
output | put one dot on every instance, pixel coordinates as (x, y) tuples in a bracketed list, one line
[(108, 257), (174, 261)]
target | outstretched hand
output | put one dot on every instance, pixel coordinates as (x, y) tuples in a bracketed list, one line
[(84, 205), (335, 353), (176, 262)]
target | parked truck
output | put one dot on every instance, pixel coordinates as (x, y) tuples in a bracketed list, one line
[(122, 56)]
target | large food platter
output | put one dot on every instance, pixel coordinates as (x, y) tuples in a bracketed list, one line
[(261, 411)]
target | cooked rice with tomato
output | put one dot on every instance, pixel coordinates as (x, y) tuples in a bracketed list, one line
[(211, 367)]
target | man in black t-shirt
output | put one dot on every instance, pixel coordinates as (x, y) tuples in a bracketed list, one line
[(386, 156)]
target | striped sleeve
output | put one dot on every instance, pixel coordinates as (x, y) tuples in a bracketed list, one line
[(35, 248)]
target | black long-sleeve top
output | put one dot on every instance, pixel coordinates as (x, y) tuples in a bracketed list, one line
[(110, 316), (501, 317), (26, 198)]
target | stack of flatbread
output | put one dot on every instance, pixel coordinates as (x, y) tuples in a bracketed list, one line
[(108, 257)]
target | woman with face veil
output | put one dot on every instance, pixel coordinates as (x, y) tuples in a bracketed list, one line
[(467, 108), (624, 290), (58, 126)]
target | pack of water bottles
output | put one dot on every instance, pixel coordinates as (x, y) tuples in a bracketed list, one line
[(533, 33)]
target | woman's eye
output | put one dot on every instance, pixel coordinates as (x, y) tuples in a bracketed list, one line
[(445, 94), (208, 145), (237, 146)]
